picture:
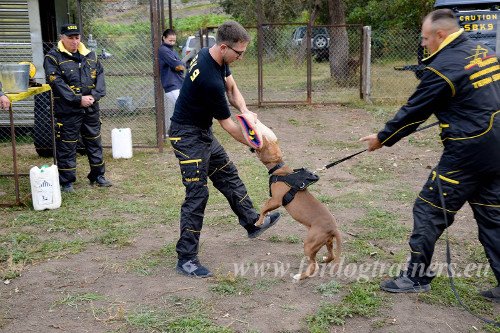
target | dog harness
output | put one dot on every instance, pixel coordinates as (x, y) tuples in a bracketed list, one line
[(298, 180)]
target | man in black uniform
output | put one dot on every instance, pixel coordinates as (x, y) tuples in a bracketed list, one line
[(77, 80), (203, 98), (461, 87)]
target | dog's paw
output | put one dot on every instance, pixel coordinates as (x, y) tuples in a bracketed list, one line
[(327, 260), (296, 277)]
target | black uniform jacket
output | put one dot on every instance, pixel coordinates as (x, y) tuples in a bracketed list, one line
[(461, 87), (71, 77)]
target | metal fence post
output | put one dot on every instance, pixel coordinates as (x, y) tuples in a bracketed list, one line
[(158, 89), (366, 64), (260, 54), (309, 62)]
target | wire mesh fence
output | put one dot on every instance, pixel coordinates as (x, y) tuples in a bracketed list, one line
[(392, 50), (289, 64), (287, 75), (123, 43)]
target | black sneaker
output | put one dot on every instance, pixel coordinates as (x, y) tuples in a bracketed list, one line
[(269, 221), (405, 284), (192, 268), (492, 294), (67, 188), (101, 182)]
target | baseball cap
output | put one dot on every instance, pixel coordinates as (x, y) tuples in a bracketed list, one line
[(70, 29)]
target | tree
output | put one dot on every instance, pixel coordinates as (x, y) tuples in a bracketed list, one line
[(388, 15), (339, 41), (245, 11)]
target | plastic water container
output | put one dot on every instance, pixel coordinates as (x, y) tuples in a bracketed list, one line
[(121, 142), (14, 77), (45, 190)]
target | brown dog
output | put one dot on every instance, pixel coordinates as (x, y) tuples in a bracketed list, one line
[(304, 208)]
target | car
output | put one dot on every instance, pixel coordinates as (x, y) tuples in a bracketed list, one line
[(193, 46), (320, 41)]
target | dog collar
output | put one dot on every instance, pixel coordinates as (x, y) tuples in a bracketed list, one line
[(276, 167)]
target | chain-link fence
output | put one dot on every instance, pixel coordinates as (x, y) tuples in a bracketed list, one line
[(290, 63), (123, 42), (393, 53), (295, 71)]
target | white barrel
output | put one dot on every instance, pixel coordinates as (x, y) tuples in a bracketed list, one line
[(121, 142), (45, 190)]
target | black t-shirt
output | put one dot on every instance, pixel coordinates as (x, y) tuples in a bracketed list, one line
[(203, 93)]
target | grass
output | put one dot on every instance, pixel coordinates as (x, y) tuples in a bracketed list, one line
[(442, 294), (351, 199), (183, 316), (74, 300), (20, 248), (476, 253), (329, 289), (403, 194), (334, 145), (118, 236), (229, 285), (31, 236), (372, 170), (362, 299), (149, 262), (382, 225), (148, 194), (372, 233), (263, 285), (291, 239)]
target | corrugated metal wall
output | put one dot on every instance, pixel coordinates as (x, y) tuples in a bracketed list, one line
[(15, 38), (15, 46)]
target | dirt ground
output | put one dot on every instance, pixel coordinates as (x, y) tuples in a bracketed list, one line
[(310, 137)]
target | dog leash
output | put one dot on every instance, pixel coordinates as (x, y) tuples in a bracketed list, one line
[(328, 166), (448, 258)]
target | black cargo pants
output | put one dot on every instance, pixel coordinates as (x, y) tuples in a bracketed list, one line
[(201, 157), (68, 130), (480, 189)]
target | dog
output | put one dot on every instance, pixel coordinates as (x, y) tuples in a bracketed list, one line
[(304, 207)]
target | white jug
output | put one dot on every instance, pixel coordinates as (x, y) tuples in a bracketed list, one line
[(121, 142), (45, 190)]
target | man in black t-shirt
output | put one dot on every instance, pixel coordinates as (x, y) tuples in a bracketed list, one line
[(203, 98)]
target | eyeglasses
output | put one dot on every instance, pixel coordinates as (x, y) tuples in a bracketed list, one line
[(239, 53)]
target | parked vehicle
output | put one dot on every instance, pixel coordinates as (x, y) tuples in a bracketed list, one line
[(193, 46), (478, 18), (320, 40)]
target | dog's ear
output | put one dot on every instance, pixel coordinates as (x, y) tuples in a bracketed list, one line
[(264, 139)]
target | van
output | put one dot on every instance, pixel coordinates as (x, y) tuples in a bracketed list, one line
[(479, 20)]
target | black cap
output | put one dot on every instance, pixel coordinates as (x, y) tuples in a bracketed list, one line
[(70, 29)]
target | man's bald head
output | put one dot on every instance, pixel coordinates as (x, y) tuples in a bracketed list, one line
[(442, 19), (436, 26)]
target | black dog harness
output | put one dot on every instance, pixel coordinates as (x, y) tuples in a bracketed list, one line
[(298, 180)]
